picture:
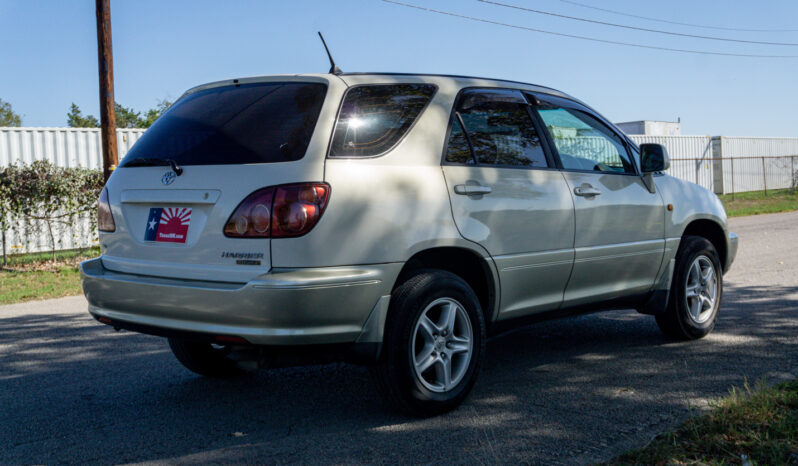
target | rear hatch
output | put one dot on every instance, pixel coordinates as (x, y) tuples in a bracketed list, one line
[(175, 190)]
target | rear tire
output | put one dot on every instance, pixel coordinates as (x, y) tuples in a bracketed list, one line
[(433, 345), (204, 358), (696, 291)]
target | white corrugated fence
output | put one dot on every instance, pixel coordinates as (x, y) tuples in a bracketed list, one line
[(65, 147)]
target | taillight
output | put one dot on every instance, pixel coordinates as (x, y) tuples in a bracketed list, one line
[(279, 212), (105, 219)]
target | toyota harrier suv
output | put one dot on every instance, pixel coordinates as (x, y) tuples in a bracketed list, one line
[(396, 221)]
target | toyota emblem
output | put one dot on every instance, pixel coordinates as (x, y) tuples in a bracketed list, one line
[(168, 178)]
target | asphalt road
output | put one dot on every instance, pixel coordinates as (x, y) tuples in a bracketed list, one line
[(571, 391)]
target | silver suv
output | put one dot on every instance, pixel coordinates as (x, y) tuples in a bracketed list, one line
[(393, 220)]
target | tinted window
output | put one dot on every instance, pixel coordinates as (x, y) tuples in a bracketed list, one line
[(374, 118), (458, 150), (583, 142), (500, 129), (249, 123)]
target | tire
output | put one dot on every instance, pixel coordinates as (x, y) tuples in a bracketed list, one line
[(694, 298), (204, 358), (417, 330)]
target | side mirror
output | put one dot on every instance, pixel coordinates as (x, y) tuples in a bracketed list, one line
[(654, 158)]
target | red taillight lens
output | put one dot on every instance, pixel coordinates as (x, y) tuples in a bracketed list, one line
[(105, 219), (279, 212), (252, 218), (297, 208)]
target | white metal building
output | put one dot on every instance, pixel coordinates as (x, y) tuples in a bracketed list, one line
[(651, 128)]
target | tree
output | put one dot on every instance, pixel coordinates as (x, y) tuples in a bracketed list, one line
[(126, 117), (75, 119), (7, 115), (155, 113)]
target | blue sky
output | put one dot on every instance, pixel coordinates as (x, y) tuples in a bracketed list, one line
[(161, 48)]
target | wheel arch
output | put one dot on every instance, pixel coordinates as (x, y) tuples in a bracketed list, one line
[(713, 232), (477, 270)]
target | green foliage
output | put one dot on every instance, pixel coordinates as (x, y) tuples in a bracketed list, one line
[(75, 119), (7, 115), (155, 113), (10, 203), (126, 117), (43, 192)]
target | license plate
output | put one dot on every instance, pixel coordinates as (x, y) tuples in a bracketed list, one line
[(168, 224)]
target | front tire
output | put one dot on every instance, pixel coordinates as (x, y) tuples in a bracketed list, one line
[(433, 345), (696, 291), (204, 358)]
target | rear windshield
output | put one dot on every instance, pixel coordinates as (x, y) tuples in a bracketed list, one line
[(247, 123), (374, 118)]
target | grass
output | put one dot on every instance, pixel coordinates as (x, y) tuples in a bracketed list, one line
[(29, 277), (756, 202), (759, 426)]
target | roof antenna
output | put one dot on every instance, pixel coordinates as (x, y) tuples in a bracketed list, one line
[(333, 68)]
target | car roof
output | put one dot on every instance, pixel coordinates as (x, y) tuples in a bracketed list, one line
[(360, 78)]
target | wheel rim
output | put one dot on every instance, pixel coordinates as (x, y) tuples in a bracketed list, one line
[(442, 345), (701, 289)]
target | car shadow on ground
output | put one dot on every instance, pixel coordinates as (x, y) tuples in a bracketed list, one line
[(75, 391)]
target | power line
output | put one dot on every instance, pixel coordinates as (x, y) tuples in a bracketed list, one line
[(676, 22), (658, 31), (594, 39)]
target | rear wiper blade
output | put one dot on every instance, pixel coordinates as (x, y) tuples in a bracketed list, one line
[(155, 162), (146, 162)]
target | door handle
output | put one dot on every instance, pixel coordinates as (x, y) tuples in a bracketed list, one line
[(586, 191), (468, 189)]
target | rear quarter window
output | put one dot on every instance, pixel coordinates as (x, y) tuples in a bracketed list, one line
[(373, 118), (242, 124)]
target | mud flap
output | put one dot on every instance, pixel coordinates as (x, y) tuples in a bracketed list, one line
[(657, 303)]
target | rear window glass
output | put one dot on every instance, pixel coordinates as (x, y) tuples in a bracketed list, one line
[(374, 118), (248, 123)]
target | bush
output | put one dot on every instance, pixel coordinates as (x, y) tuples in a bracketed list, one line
[(44, 192)]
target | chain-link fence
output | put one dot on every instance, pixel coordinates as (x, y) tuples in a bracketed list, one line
[(732, 175)]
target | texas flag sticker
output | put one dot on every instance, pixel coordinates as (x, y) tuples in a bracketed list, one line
[(168, 224)]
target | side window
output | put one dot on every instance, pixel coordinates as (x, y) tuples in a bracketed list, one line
[(374, 118), (583, 142), (458, 150), (499, 128)]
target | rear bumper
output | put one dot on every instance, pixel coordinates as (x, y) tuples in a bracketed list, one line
[(283, 307)]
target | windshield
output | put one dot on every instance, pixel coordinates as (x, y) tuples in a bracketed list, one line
[(247, 123)]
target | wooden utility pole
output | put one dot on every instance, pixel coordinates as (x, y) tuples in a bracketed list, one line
[(106, 67)]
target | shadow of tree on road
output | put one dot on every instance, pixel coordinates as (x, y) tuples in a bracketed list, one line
[(560, 391)]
